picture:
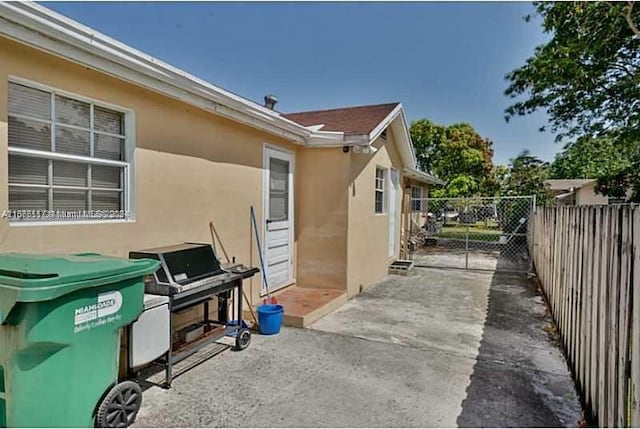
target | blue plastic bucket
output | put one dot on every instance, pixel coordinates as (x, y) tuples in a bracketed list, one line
[(270, 318)]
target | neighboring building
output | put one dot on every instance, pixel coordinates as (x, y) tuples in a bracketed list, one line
[(579, 192), (88, 123)]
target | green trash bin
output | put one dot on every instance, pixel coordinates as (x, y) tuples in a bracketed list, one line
[(60, 321)]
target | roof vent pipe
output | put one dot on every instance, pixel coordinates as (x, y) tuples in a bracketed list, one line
[(270, 101)]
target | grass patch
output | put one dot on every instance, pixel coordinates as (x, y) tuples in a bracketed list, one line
[(460, 233)]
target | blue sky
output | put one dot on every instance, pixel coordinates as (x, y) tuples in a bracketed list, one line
[(443, 61)]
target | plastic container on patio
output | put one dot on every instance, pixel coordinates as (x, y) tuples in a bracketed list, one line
[(270, 318), (60, 321)]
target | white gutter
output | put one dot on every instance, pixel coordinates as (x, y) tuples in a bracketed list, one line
[(46, 30), (423, 177), (41, 28)]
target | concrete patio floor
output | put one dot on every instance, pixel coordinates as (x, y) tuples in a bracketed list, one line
[(436, 348)]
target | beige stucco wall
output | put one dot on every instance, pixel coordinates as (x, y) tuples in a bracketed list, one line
[(587, 196), (191, 167), (321, 218), (368, 240)]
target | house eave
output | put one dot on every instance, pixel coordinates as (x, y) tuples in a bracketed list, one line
[(48, 31), (422, 177)]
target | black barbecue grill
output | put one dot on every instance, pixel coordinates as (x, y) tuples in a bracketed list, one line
[(190, 274)]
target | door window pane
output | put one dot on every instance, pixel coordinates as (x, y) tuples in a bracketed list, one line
[(278, 189)]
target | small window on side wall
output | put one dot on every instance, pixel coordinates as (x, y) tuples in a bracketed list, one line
[(381, 174), (416, 198)]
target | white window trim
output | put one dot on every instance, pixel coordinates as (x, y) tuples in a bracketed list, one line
[(385, 190), (129, 188)]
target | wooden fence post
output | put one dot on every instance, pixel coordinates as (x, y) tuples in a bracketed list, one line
[(588, 262), (635, 327)]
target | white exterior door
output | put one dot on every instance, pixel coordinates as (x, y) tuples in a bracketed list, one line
[(393, 210), (278, 218)]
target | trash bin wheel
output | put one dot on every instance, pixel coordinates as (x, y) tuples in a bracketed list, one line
[(243, 339), (120, 406)]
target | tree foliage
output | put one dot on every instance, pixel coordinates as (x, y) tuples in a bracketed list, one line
[(588, 158), (526, 176), (604, 159), (458, 155), (587, 77)]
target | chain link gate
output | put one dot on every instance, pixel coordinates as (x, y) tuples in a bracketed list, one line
[(483, 233)]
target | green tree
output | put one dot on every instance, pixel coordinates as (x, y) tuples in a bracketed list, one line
[(590, 158), (526, 176), (426, 136), (456, 154), (587, 78), (604, 159)]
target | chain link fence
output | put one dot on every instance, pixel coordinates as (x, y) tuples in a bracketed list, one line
[(484, 233)]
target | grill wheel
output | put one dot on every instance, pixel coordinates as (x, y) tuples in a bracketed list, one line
[(243, 339), (120, 406)]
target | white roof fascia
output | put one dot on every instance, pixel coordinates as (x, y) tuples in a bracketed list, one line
[(41, 28), (326, 139), (337, 139), (423, 177), (314, 128), (375, 133), (401, 132), (357, 140)]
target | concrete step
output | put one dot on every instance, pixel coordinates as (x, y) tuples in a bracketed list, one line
[(303, 306)]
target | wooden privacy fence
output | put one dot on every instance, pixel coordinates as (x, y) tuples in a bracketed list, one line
[(588, 261)]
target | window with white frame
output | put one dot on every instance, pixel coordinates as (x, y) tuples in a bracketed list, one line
[(416, 198), (66, 155), (381, 175)]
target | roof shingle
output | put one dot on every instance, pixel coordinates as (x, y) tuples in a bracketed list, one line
[(357, 120)]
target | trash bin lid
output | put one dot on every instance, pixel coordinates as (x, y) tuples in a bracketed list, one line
[(33, 278)]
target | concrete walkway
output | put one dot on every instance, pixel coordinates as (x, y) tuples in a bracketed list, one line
[(437, 348)]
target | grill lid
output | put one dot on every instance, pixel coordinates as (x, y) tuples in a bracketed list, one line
[(185, 262), (192, 264)]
